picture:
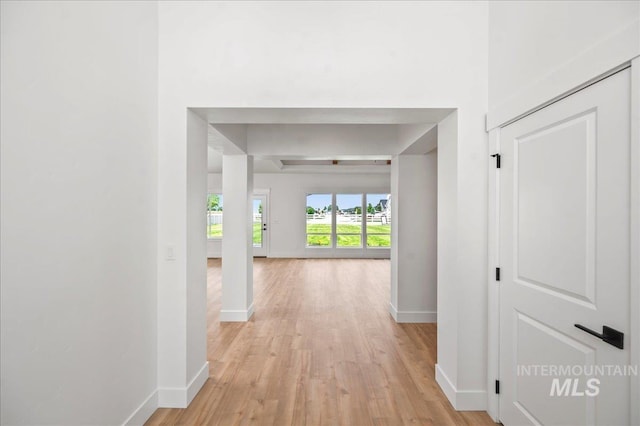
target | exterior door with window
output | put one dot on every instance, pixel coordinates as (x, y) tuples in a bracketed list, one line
[(565, 260), (260, 226)]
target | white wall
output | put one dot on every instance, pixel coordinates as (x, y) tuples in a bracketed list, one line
[(414, 209), (540, 49), (214, 245), (79, 131), (330, 54), (287, 202)]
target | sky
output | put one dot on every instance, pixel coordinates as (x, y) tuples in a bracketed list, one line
[(344, 201)]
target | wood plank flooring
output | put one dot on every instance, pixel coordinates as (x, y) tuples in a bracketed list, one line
[(320, 349)]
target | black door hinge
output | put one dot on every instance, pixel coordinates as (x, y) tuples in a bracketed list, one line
[(497, 160), (498, 387), (497, 274)]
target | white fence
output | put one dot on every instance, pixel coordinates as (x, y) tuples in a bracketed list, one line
[(349, 218), (214, 218)]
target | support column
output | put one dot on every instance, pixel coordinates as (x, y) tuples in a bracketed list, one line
[(414, 238), (237, 243), (182, 264)]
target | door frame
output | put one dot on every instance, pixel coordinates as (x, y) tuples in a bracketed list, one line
[(493, 229), (266, 240), (493, 287)]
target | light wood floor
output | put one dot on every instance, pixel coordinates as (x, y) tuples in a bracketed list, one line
[(321, 348)]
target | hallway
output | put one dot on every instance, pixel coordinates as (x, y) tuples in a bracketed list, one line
[(321, 348)]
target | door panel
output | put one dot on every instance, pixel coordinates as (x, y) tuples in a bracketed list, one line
[(538, 344), (564, 248), (555, 224), (260, 226)]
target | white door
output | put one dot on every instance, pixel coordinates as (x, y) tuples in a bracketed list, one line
[(260, 226), (564, 253)]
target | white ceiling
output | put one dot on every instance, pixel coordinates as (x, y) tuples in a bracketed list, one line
[(356, 134)]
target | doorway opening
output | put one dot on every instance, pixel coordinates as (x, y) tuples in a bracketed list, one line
[(393, 136)]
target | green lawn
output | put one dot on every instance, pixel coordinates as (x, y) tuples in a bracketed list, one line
[(379, 240), (318, 240), (215, 231), (384, 240), (257, 234), (348, 240)]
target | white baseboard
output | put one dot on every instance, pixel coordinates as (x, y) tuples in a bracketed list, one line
[(182, 397), (197, 382), (445, 384), (412, 316), (393, 311), (227, 315), (326, 253), (417, 316), (172, 398), (475, 400), (144, 411)]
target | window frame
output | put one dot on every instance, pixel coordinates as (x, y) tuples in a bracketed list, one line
[(333, 236), (333, 222), (367, 233), (362, 225)]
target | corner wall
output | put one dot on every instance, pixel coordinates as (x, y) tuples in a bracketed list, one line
[(447, 363), (197, 366), (414, 238), (79, 180)]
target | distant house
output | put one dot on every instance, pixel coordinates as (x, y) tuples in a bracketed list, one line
[(384, 210)]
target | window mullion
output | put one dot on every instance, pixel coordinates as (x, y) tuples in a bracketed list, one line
[(334, 236), (363, 221)]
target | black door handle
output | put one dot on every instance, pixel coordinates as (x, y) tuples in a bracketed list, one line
[(609, 335)]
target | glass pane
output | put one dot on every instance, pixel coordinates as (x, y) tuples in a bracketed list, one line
[(349, 220), (257, 222), (348, 213), (318, 214), (378, 240), (214, 216), (318, 240), (378, 213), (349, 240), (374, 227)]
